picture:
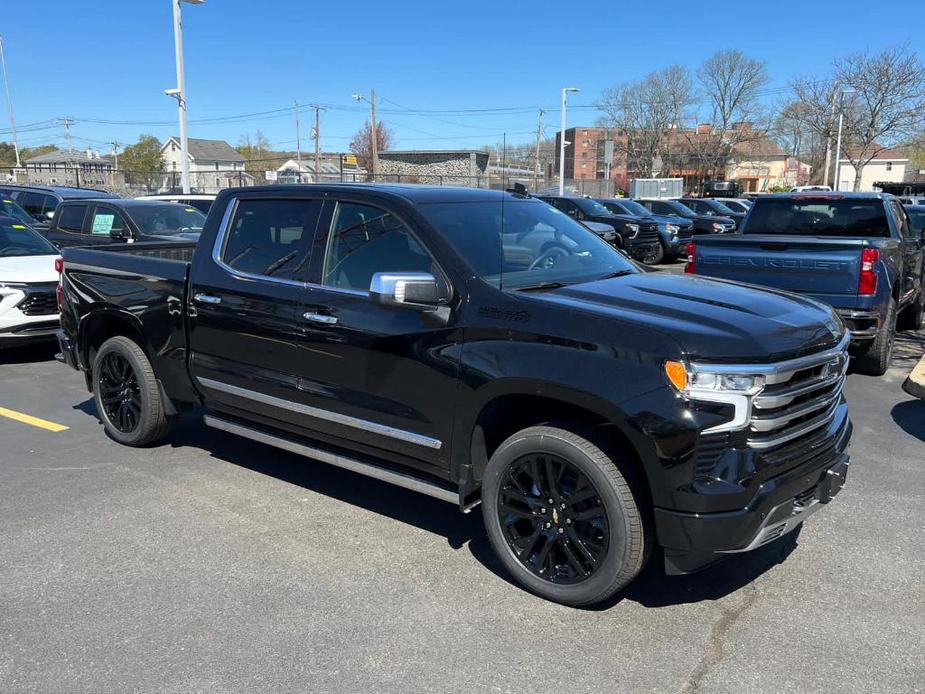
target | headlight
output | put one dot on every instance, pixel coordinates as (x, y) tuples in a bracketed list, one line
[(717, 384), (718, 228), (632, 228), (672, 228), (11, 287)]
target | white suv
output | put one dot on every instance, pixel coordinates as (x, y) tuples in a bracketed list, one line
[(28, 285)]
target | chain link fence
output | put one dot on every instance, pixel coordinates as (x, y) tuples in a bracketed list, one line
[(128, 184)]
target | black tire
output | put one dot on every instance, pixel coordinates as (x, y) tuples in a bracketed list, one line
[(912, 317), (656, 257), (617, 536), (875, 360), (128, 401)]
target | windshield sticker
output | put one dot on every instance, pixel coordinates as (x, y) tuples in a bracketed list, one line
[(17, 226), (8, 202), (102, 223), (190, 209)]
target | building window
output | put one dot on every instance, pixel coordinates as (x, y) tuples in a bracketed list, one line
[(216, 166), (889, 166)]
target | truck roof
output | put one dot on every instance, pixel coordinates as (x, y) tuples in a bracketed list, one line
[(411, 191)]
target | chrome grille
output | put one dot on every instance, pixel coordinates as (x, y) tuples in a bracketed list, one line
[(647, 233), (797, 402), (40, 300)]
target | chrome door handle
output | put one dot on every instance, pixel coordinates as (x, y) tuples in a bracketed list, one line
[(319, 318), (207, 299)]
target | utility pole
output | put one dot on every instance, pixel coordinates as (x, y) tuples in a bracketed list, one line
[(536, 160), (115, 155), (298, 140), (375, 135), (317, 136), (9, 104), (828, 138), (67, 129)]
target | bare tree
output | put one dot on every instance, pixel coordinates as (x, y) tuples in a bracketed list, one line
[(362, 142), (731, 83), (887, 106), (647, 112)]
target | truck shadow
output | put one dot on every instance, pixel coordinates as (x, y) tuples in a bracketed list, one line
[(652, 589), (29, 354), (910, 416)]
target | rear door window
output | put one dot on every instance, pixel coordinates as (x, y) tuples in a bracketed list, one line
[(822, 216), (272, 238), (107, 222), (33, 203), (71, 218)]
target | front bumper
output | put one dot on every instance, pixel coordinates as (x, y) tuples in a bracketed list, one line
[(692, 541), (644, 251), (30, 329), (863, 325)]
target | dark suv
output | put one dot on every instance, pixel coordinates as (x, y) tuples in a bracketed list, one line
[(713, 208), (42, 201), (703, 223), (674, 232), (638, 238)]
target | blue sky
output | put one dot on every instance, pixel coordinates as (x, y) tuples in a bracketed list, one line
[(108, 60)]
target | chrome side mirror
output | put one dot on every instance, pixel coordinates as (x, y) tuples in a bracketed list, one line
[(50, 215), (414, 290)]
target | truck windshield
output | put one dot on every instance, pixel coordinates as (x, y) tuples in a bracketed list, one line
[(167, 219), (525, 243), (592, 207), (18, 240), (819, 216), (631, 206), (677, 208)]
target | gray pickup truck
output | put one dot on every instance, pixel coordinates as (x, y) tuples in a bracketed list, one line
[(858, 252)]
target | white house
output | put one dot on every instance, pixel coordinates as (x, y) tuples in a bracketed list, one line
[(888, 166), (214, 164)]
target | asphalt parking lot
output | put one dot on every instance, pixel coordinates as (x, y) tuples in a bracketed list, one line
[(216, 564)]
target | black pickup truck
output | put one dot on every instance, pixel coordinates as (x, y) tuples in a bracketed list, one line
[(477, 346)]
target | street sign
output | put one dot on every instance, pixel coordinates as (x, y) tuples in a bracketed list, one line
[(350, 160), (608, 152), (270, 175)]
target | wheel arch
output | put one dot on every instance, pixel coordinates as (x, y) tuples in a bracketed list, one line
[(509, 406)]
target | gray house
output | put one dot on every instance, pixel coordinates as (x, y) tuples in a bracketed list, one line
[(71, 167), (214, 164)]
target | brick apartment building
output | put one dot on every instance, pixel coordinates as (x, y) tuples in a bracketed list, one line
[(584, 155)]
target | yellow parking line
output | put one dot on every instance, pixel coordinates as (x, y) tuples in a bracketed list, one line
[(29, 419)]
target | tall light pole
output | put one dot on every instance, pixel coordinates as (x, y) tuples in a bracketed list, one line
[(565, 92), (374, 139), (841, 119), (180, 92), (9, 104)]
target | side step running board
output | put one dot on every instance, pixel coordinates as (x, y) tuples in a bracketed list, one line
[(399, 479)]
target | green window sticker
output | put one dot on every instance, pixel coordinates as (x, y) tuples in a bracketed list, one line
[(102, 223), (17, 226)]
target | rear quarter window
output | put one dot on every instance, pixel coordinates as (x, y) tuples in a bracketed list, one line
[(845, 217)]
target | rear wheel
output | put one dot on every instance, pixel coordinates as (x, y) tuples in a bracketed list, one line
[(561, 517), (876, 358), (127, 398)]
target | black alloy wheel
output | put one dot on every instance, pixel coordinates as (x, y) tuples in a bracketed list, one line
[(553, 519), (119, 392)]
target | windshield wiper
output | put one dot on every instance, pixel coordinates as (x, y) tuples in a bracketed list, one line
[(616, 273), (541, 285)]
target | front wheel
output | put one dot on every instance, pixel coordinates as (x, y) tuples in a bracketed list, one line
[(561, 517), (913, 315), (126, 394)]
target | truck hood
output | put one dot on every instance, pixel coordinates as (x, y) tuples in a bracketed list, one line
[(712, 320), (28, 269), (682, 222)]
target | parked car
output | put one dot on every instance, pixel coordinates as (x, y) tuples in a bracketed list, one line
[(201, 201), (674, 232), (28, 282), (91, 222), (639, 239), (40, 202), (917, 216), (8, 208), (858, 252), (811, 189), (741, 205), (703, 223), (480, 347), (917, 200), (712, 208)]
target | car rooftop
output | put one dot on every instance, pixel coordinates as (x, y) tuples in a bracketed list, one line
[(136, 202), (63, 191)]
